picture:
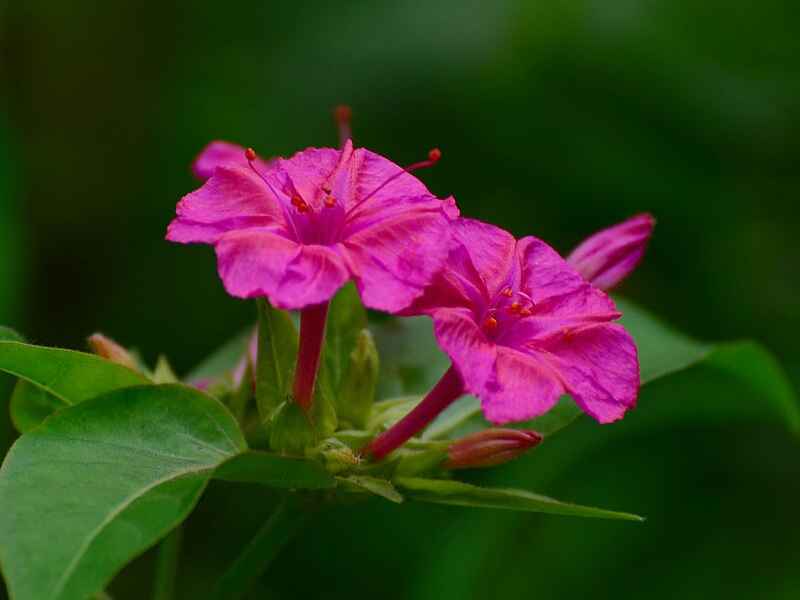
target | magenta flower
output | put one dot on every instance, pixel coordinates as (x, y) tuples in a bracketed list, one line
[(296, 230), (608, 256), (522, 328)]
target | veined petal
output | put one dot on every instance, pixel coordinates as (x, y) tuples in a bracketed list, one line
[(394, 257), (556, 288), (221, 154), (608, 256), (256, 262), (463, 341), (491, 251), (378, 180), (523, 387), (600, 369), (232, 199)]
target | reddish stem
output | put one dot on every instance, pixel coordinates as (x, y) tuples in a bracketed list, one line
[(312, 334), (443, 394)]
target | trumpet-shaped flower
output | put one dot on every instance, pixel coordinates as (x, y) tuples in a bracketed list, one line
[(522, 328), (296, 230)]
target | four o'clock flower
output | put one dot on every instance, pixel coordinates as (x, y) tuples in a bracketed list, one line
[(296, 230), (522, 327), (607, 257)]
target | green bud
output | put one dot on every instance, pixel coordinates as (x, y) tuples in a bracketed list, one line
[(357, 391), (291, 431)]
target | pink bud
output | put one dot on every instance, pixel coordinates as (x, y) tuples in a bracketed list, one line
[(607, 257), (111, 350), (490, 447)]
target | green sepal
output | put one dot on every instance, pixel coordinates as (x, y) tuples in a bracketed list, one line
[(163, 372), (357, 390), (291, 431), (277, 353)]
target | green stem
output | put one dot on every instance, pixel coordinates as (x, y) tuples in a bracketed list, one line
[(167, 565), (277, 530)]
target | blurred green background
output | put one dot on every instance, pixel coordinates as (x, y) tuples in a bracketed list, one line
[(555, 118)]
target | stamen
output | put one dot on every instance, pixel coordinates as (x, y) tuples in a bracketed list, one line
[(300, 204), (342, 115), (330, 201), (490, 324), (515, 308), (525, 312), (250, 155), (434, 156), (507, 292)]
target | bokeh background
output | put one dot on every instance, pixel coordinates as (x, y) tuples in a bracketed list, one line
[(555, 118)]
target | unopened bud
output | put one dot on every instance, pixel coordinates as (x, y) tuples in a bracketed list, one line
[(110, 350), (357, 391), (490, 447), (607, 257)]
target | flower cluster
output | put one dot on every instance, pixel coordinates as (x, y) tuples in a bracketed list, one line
[(521, 325)]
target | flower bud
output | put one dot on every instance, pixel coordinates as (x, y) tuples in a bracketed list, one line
[(357, 391), (490, 447), (110, 350), (607, 257), (290, 431)]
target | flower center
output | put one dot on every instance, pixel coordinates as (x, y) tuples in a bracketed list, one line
[(508, 307)]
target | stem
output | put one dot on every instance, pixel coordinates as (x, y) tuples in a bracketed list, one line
[(276, 531), (167, 565), (443, 394), (312, 334)]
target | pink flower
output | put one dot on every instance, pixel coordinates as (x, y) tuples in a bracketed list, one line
[(296, 230), (522, 328), (608, 256)]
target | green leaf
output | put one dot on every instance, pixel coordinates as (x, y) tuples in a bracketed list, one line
[(9, 335), (276, 471), (98, 483), (30, 405), (277, 353), (70, 376), (372, 485), (457, 493)]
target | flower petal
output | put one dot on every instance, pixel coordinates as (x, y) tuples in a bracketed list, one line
[(232, 199), (256, 262), (221, 154), (600, 369), (394, 254), (310, 169), (608, 256), (556, 289), (462, 340), (523, 387)]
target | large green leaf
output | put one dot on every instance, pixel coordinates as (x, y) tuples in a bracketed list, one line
[(463, 494), (276, 471), (68, 375), (98, 483), (30, 405)]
